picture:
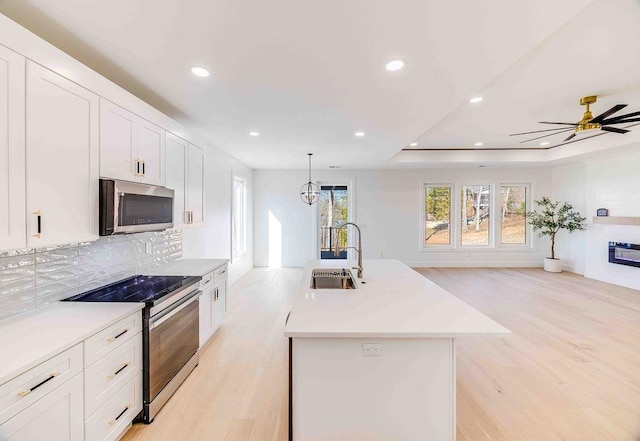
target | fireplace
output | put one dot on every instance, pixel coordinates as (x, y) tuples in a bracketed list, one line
[(624, 253)]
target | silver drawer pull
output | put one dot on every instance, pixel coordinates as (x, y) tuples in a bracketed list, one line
[(24, 393), (124, 331), (222, 272), (110, 376), (205, 283), (115, 420)]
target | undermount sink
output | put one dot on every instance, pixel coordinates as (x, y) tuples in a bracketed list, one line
[(332, 278)]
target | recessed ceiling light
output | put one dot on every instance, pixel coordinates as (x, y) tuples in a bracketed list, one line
[(544, 143), (478, 144), (413, 144), (476, 99), (254, 134), (394, 65), (359, 134), (200, 71)]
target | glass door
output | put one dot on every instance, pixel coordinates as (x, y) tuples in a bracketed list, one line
[(334, 211)]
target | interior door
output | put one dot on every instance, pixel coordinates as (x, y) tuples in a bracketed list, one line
[(12, 150), (62, 159)]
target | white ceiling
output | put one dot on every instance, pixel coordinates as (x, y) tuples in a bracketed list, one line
[(307, 75)]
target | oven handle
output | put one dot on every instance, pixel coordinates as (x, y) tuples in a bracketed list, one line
[(173, 310)]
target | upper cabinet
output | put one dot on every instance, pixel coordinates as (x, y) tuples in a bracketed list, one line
[(12, 162), (185, 175), (62, 157), (131, 148)]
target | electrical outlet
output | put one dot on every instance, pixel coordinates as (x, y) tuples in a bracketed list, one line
[(372, 349)]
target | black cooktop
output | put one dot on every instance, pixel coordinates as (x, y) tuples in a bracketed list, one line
[(139, 289)]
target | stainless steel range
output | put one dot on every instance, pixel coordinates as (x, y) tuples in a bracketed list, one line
[(170, 331)]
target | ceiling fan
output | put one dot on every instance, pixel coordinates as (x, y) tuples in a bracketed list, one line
[(588, 122)]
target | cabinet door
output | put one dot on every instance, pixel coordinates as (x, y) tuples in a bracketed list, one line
[(151, 139), (62, 160), (205, 316), (12, 151), (219, 304), (58, 416), (195, 187), (118, 142), (176, 177)]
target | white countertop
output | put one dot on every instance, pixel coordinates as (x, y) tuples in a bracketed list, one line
[(188, 267), (27, 340), (395, 302)]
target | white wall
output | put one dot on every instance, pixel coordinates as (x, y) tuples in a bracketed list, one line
[(388, 202), (569, 184), (213, 239), (613, 182)]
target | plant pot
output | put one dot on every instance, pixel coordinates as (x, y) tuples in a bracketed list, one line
[(552, 265)]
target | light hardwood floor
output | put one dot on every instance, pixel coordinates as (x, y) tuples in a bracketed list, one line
[(570, 371)]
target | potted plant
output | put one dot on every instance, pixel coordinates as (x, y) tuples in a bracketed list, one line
[(551, 218)]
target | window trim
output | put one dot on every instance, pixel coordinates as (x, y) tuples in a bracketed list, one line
[(528, 229), (491, 239), (234, 254), (423, 211)]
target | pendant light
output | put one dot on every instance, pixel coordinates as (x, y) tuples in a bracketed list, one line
[(309, 192)]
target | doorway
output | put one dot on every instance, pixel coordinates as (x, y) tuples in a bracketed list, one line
[(334, 210)]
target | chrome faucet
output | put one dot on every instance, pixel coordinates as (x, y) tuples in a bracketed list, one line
[(358, 250)]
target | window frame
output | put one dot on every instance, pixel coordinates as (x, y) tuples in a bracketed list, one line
[(528, 229), (491, 238), (237, 252), (423, 217)]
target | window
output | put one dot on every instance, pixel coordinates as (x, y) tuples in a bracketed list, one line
[(239, 224), (437, 210), (513, 209), (475, 226)]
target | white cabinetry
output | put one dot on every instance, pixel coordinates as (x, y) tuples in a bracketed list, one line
[(131, 148), (62, 159), (213, 302), (185, 175), (12, 171), (56, 417)]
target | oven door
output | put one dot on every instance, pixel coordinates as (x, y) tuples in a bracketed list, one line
[(173, 340)]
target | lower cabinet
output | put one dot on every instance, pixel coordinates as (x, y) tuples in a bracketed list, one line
[(55, 417), (114, 416), (213, 302)]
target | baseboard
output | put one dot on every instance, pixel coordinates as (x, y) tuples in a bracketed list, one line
[(483, 264)]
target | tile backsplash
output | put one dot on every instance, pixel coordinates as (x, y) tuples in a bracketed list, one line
[(32, 277)]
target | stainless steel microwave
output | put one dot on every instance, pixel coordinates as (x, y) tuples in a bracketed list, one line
[(130, 207)]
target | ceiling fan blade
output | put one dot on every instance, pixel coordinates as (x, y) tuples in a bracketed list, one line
[(614, 130), (544, 136), (620, 117), (569, 137), (539, 131), (624, 121), (564, 124), (611, 111)]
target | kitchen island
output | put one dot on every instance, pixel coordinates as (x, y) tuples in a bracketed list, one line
[(377, 362)]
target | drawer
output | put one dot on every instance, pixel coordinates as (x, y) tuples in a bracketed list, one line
[(27, 388), (207, 280), (220, 273), (105, 377), (112, 419), (110, 338)]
